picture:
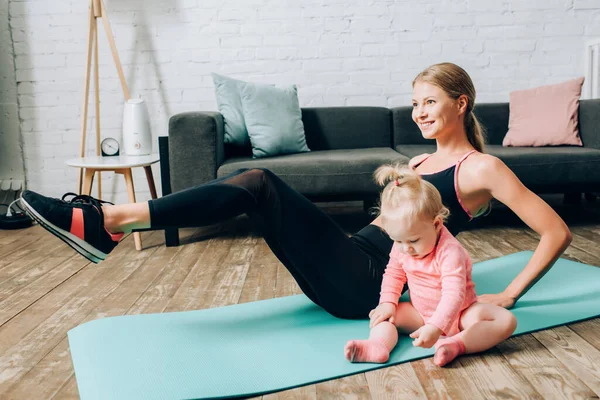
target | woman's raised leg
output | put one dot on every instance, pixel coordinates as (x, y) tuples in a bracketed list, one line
[(328, 266)]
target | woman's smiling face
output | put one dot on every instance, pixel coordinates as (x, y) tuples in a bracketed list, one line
[(434, 111)]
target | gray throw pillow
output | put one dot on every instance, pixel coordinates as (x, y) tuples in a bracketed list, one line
[(229, 104), (273, 119)]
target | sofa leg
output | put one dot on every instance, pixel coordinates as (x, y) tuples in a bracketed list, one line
[(172, 237), (591, 197), (572, 198), (172, 234)]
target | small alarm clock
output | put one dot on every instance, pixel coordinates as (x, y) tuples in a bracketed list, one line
[(109, 147)]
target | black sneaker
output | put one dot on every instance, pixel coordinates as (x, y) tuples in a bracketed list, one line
[(79, 222)]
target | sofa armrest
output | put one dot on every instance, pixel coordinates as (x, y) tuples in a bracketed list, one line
[(589, 123), (195, 148)]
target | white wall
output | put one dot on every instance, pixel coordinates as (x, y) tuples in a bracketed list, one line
[(338, 52)]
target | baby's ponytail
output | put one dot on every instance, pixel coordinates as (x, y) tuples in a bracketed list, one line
[(399, 175), (405, 191)]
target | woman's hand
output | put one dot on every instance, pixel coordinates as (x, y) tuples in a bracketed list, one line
[(383, 312), (426, 336), (499, 299)]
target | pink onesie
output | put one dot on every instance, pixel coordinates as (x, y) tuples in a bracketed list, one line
[(440, 284)]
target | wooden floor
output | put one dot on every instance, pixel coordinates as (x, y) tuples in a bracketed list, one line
[(46, 289)]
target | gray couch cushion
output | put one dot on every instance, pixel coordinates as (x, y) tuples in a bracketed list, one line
[(561, 165), (564, 166), (413, 150), (335, 128), (324, 173)]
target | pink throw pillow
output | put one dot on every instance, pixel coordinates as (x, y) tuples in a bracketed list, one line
[(545, 116)]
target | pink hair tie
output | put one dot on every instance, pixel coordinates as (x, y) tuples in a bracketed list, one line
[(396, 182)]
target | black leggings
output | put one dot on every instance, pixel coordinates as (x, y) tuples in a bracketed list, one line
[(329, 266)]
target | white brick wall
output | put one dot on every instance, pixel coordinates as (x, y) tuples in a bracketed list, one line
[(342, 52)]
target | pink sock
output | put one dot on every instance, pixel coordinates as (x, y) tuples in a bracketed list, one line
[(448, 349), (372, 351)]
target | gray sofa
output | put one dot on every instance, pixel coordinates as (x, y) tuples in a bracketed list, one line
[(348, 143)]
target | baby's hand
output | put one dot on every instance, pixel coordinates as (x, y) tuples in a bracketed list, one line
[(426, 336), (383, 312)]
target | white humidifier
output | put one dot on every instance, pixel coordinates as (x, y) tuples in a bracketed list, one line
[(137, 138)]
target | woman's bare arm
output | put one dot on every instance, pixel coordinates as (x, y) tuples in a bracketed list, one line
[(555, 237)]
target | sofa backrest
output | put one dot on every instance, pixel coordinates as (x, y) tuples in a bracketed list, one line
[(338, 128), (589, 123), (493, 116), (332, 128)]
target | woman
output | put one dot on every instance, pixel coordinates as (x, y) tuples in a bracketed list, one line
[(341, 274)]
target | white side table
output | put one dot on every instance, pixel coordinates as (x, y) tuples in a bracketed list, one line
[(119, 165)]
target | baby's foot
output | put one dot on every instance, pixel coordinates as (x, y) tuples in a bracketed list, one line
[(371, 351), (447, 350)]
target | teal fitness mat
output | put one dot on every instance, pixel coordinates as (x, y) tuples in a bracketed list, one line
[(271, 345)]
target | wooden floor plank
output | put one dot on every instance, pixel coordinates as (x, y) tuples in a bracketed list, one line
[(588, 330), (444, 383), (8, 236), (192, 293), (573, 252), (349, 387), (24, 323), (580, 357), (226, 287), (156, 298), (478, 250), (29, 294), (68, 391), (261, 279), (302, 393), (16, 361), (18, 240), (397, 382), (27, 265), (543, 370), (495, 378), (49, 380), (585, 244)]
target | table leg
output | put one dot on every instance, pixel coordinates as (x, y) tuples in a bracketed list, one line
[(99, 185), (150, 179), (88, 181), (129, 181)]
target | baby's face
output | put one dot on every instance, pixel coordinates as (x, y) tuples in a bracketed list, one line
[(416, 237)]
